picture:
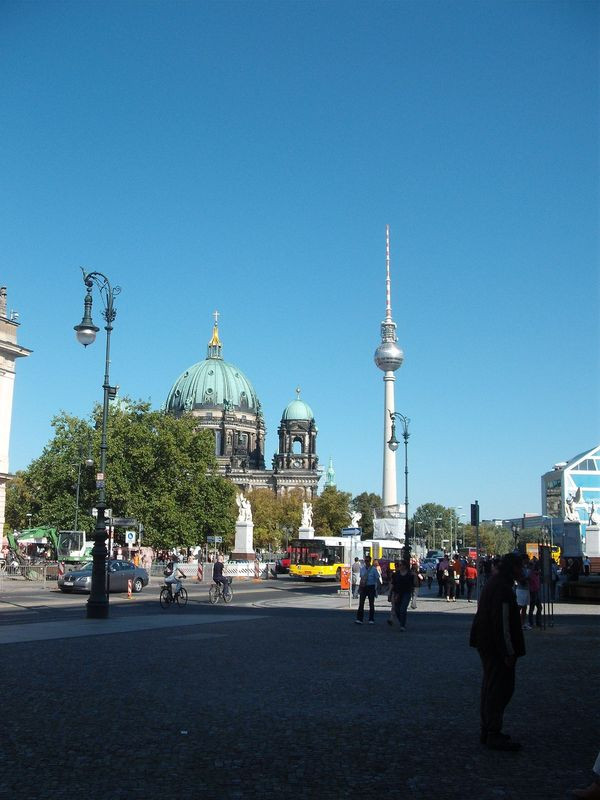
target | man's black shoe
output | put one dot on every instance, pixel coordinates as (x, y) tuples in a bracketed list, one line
[(499, 742)]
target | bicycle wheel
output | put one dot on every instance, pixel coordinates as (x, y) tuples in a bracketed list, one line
[(181, 597), (213, 595), (165, 598), (227, 593)]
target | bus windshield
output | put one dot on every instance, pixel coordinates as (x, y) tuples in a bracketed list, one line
[(313, 552)]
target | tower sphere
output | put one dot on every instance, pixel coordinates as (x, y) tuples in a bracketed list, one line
[(389, 356)]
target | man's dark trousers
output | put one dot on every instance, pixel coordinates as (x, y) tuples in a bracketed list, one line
[(364, 592), (497, 688)]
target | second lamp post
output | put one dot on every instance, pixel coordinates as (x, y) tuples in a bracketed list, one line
[(393, 445), (97, 604)]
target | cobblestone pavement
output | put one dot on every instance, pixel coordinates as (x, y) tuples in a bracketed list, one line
[(286, 697)]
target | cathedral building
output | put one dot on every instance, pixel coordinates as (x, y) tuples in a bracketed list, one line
[(223, 400)]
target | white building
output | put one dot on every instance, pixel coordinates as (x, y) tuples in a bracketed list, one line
[(571, 490), (9, 352)]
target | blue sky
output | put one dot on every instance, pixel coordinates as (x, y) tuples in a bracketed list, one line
[(247, 157)]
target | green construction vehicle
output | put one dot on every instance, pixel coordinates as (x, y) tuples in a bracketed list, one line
[(68, 546)]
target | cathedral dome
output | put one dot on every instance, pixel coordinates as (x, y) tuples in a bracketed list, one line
[(212, 383), (298, 410)]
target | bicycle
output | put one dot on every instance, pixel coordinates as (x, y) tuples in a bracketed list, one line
[(167, 597), (218, 590)]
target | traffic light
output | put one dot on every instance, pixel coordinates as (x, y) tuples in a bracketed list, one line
[(475, 513)]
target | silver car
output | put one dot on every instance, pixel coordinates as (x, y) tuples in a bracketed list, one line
[(119, 575)]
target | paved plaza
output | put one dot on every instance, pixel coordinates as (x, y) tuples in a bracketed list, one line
[(281, 695)]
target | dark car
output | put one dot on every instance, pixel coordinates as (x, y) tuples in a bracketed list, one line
[(119, 575)]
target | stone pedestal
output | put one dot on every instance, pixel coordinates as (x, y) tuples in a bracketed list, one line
[(592, 541), (306, 533), (244, 542)]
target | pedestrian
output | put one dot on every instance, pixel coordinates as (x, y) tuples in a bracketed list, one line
[(442, 574), (458, 567), (586, 565), (355, 577), (463, 576), (591, 792), (496, 633), (470, 579), (449, 584), (403, 584), (429, 573), (417, 578), (522, 597), (368, 583), (534, 594), (379, 583)]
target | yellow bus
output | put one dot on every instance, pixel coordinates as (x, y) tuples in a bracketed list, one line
[(324, 557)]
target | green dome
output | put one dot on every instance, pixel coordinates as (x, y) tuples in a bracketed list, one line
[(298, 409), (209, 384)]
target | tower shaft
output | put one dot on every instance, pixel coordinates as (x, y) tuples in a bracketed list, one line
[(388, 494)]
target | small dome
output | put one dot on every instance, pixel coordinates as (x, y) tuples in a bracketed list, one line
[(209, 384), (298, 409)]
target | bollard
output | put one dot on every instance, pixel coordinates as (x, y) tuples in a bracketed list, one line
[(200, 574), (257, 570), (129, 588), (61, 568)]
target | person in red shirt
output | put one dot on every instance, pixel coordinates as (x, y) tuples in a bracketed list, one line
[(471, 579)]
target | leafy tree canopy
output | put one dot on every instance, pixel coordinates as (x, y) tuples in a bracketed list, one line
[(330, 511), (160, 470), (276, 519), (367, 503)]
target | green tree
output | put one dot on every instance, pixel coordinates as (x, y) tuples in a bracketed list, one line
[(160, 470), (367, 503), (434, 520), (330, 513)]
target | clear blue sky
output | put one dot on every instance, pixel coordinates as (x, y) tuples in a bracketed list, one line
[(247, 157)]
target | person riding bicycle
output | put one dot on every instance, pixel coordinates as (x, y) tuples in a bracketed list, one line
[(218, 576), (172, 578)]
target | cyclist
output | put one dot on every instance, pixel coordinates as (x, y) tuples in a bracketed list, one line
[(172, 578), (218, 576)]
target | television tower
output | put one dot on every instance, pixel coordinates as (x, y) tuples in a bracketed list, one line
[(389, 358)]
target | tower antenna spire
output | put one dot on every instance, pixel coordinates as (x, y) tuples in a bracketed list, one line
[(388, 282)]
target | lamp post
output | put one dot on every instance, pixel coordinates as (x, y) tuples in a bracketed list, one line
[(97, 604), (435, 519), (545, 516), (393, 445), (89, 462), (515, 532)]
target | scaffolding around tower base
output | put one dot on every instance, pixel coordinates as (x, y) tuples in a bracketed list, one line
[(390, 523)]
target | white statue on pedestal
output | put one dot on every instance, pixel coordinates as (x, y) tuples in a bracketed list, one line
[(307, 515), (355, 519), (244, 508), (571, 514), (594, 519)]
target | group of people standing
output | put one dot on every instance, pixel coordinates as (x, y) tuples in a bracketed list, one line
[(455, 576), (367, 579)]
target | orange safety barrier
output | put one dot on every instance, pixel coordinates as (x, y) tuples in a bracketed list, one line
[(200, 574), (130, 588), (345, 578)]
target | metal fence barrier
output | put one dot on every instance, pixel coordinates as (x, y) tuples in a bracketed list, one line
[(36, 573)]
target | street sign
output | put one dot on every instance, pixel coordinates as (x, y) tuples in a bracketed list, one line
[(214, 539), (351, 531), (129, 537), (124, 522), (107, 512)]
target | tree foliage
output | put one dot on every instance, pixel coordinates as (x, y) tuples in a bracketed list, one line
[(276, 519), (160, 470), (434, 523), (331, 511), (367, 503)]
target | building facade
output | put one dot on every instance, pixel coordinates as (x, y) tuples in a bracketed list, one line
[(9, 352), (571, 489), (223, 400)]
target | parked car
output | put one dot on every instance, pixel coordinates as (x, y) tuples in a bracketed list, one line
[(119, 574)]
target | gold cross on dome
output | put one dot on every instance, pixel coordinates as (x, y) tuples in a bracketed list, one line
[(216, 315)]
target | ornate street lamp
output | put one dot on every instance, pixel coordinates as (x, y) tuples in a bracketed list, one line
[(515, 532), (393, 445), (97, 604)]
